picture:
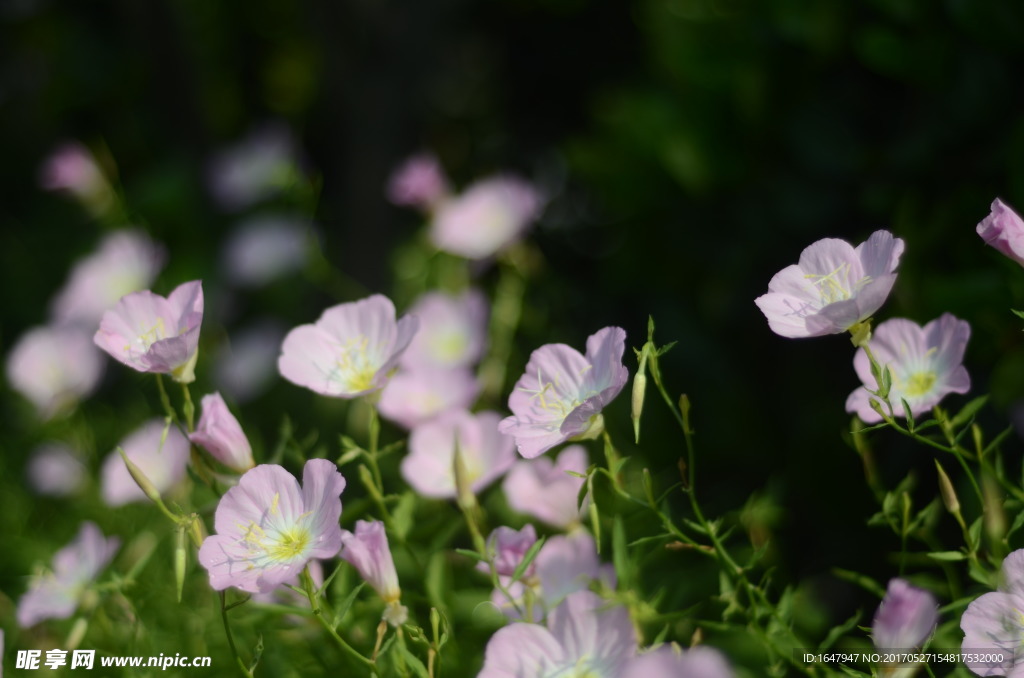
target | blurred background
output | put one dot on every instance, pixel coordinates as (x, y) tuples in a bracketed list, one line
[(688, 149)]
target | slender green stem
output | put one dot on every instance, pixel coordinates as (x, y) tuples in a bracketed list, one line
[(165, 401), (231, 638), (314, 602), (189, 408)]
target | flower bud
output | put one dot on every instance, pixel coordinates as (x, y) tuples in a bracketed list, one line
[(220, 434), (906, 617)]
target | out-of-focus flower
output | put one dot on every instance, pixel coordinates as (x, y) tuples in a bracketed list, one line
[(72, 168), (411, 398), (150, 333), (220, 434), (244, 367), (562, 393), (257, 168), (54, 367), (452, 333), (55, 470), (542, 488), (351, 349), (1004, 230), (161, 460), (584, 636), (268, 527), (906, 617), (833, 287), (418, 182), (668, 662), (56, 594), (126, 261), (507, 548), (925, 364), (993, 624), (485, 218), (367, 550), (264, 249), (486, 454)]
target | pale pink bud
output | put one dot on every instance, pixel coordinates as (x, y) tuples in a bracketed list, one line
[(220, 434)]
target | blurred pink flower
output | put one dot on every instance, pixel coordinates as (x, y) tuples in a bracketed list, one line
[(54, 470), (56, 594), (486, 454), (351, 349), (268, 527), (244, 366), (256, 168), (562, 393), (162, 461), (508, 547), (584, 636), (418, 182), (72, 168), (833, 287), (265, 248), (150, 333), (1004, 230), (367, 550), (925, 364), (542, 488), (485, 218), (125, 261), (415, 397), (453, 330), (906, 617), (54, 367), (993, 624), (668, 661), (220, 434)]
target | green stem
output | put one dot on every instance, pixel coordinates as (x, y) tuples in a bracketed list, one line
[(314, 602), (231, 638), (189, 409), (165, 401)]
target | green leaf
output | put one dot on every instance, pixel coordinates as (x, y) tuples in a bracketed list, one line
[(947, 556), (402, 514), (531, 553), (339, 614), (471, 554), (1019, 314), (620, 554), (968, 411), (908, 415), (838, 632)]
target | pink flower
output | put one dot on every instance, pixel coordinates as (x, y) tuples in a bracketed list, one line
[(54, 367), (418, 182), (268, 527), (351, 349), (833, 288), (55, 470), (367, 550), (220, 434), (256, 168), (584, 636), (1004, 230), (150, 333), (72, 168), (264, 249), (56, 594), (993, 624), (126, 261), (543, 489), (925, 364), (507, 548), (416, 397), (486, 454), (668, 662), (453, 330), (487, 217), (906, 617), (562, 393), (161, 460)]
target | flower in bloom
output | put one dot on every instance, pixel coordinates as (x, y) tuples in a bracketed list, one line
[(668, 662), (351, 349), (256, 168), (833, 287), (543, 489), (264, 249), (906, 617), (993, 622), (485, 218), (418, 182), (55, 470), (150, 333), (54, 367), (73, 168), (925, 364), (56, 594), (367, 550), (268, 527), (162, 460), (562, 393), (486, 454), (125, 261), (507, 548), (584, 636), (220, 434), (453, 330), (411, 398), (1004, 230)]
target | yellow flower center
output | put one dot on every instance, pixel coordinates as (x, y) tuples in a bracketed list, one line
[(836, 286), (920, 383), (290, 544)]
